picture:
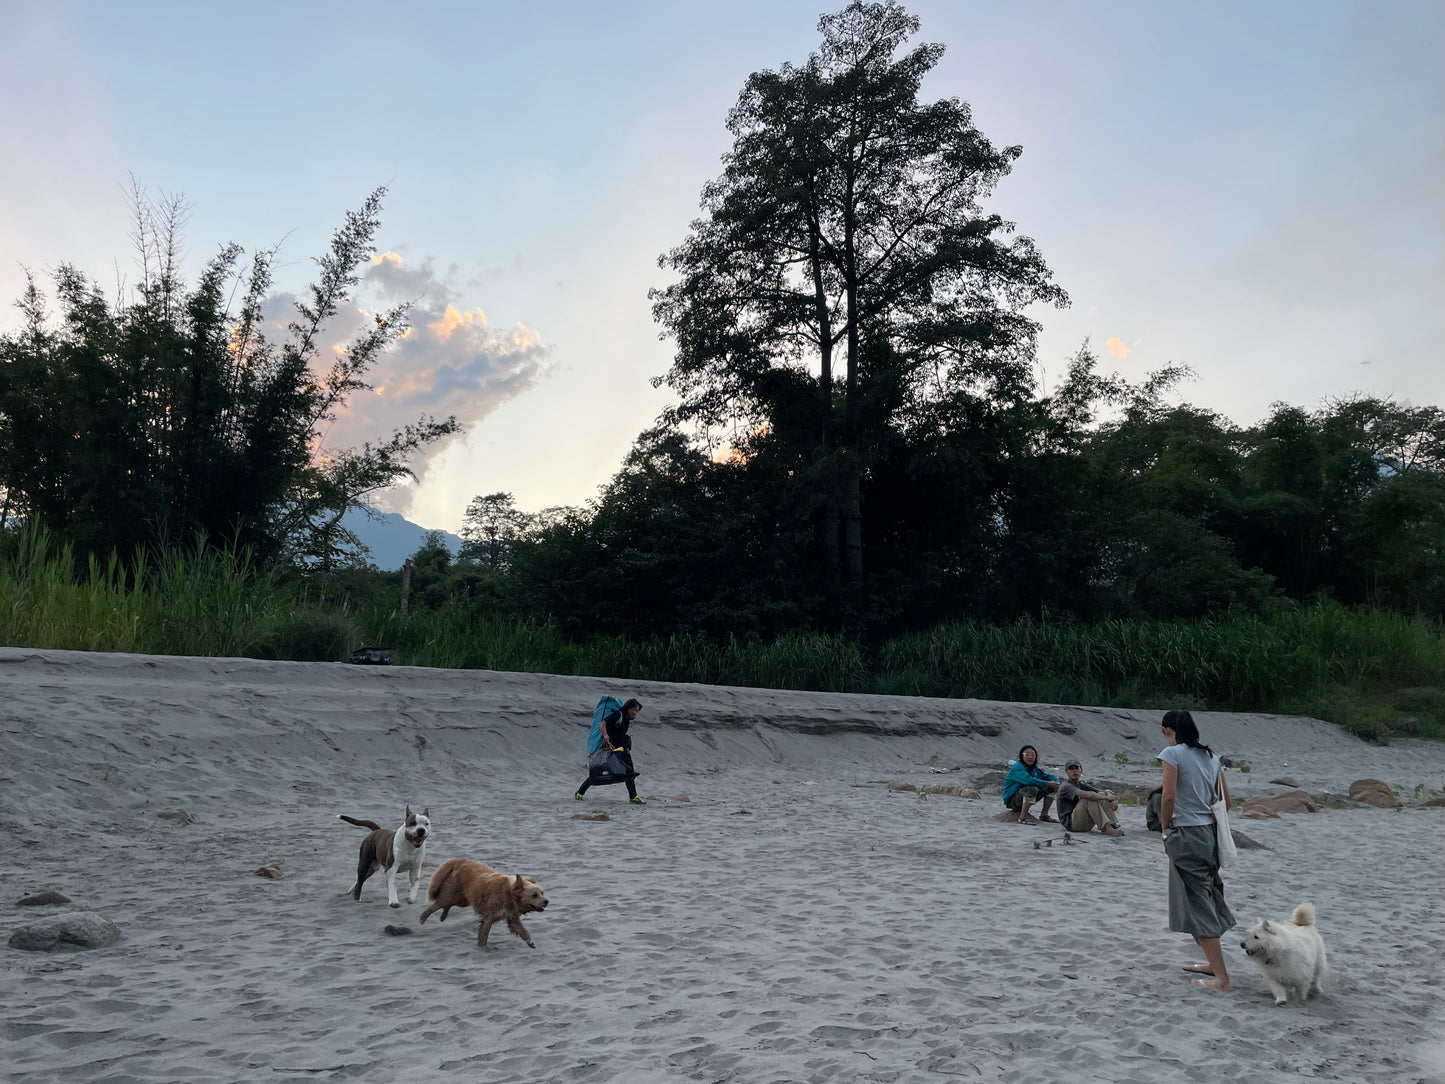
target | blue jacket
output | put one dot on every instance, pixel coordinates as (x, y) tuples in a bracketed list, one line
[(1019, 775)]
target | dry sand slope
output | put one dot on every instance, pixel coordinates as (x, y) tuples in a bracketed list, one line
[(788, 923)]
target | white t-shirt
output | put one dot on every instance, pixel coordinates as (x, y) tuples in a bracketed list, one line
[(1194, 786)]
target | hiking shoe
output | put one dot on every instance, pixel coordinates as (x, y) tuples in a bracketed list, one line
[(635, 801), (578, 795)]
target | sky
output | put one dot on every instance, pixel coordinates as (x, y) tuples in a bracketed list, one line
[(1256, 191)]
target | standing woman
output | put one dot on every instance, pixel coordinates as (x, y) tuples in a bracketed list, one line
[(1196, 893)]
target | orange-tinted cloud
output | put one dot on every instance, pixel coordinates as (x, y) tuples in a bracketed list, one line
[(1117, 348), (449, 362)]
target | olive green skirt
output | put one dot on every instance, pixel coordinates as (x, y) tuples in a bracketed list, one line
[(1196, 893)]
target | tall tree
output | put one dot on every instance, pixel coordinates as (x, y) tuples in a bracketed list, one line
[(491, 528), (843, 275), (169, 415)]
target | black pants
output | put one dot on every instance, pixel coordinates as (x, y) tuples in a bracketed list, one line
[(631, 786)]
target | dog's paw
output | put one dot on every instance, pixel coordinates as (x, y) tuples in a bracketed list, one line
[(531, 944), (1280, 1002), (395, 904)]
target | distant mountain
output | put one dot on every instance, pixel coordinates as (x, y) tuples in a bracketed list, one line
[(391, 537)]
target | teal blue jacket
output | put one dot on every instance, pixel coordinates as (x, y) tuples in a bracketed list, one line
[(1019, 775)]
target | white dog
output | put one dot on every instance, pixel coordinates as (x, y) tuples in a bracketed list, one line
[(394, 852), (1291, 954)]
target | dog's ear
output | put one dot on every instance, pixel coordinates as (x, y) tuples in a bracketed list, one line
[(1265, 926), (518, 885), (426, 812), (410, 816)]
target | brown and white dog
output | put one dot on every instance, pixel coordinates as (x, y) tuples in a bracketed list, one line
[(392, 851), (461, 882)]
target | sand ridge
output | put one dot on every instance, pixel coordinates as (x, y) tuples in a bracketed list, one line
[(793, 921)]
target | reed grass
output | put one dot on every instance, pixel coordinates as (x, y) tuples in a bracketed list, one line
[(197, 601)]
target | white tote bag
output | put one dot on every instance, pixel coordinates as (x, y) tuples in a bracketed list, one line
[(1228, 852)]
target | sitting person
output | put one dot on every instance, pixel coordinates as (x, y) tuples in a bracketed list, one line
[(1083, 805), (1151, 809), (1026, 783)]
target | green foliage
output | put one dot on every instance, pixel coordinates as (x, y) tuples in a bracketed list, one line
[(199, 601), (844, 278), (1121, 758), (170, 417), (310, 636), (491, 529)]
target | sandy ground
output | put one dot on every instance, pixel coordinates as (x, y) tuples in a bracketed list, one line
[(793, 920)]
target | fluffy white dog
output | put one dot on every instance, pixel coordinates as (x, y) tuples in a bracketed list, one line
[(1291, 954)]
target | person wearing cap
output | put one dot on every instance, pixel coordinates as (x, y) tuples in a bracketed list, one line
[(1083, 805)]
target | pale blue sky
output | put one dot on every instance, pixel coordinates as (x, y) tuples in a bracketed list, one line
[(1256, 190)]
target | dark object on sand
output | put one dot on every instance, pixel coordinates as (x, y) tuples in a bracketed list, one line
[(397, 931), (76, 930), (43, 899), (371, 656)]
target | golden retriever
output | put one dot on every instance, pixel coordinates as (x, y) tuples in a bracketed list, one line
[(493, 896)]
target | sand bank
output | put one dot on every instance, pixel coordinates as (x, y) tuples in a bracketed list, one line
[(793, 920)]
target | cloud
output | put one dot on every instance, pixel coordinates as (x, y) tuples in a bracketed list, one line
[(1117, 348), (451, 361)]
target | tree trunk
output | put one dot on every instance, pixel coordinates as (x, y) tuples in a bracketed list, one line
[(832, 539), (851, 500), (853, 538), (832, 546)]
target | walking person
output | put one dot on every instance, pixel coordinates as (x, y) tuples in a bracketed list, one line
[(610, 726), (1196, 892)]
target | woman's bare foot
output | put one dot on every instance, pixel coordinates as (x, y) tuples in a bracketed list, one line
[(1111, 831), (1216, 986)]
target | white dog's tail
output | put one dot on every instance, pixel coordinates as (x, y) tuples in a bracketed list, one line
[(1304, 915)]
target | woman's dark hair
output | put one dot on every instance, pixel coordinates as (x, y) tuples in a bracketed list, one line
[(1182, 723), (632, 702), (1028, 767)]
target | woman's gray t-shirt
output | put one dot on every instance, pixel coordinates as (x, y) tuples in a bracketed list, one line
[(1194, 786)]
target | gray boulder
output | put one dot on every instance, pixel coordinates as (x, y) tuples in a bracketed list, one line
[(74, 930), (43, 899)]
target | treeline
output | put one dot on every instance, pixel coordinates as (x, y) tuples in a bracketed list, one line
[(1160, 512)]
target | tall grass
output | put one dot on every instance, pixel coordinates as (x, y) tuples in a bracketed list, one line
[(199, 601), (1376, 673), (1371, 671)]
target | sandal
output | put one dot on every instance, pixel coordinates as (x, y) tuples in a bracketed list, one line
[(1028, 820), (1047, 819)]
